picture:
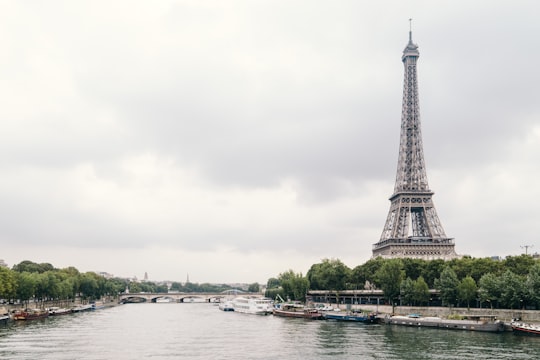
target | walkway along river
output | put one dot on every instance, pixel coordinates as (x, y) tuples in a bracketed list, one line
[(201, 331)]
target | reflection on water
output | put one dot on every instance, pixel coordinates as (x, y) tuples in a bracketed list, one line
[(201, 331)]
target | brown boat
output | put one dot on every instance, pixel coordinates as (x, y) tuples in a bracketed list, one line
[(30, 314), (298, 311)]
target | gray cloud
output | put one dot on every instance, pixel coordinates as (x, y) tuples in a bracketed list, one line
[(260, 127)]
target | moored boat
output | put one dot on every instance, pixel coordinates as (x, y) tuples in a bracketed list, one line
[(165, 300), (97, 305), (255, 306), (4, 315), (226, 305), (521, 328), (469, 322), (358, 317), (30, 314), (85, 307), (298, 311), (57, 311)]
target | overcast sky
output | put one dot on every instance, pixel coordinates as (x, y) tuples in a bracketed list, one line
[(234, 140)]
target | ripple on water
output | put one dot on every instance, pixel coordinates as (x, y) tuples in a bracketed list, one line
[(201, 331)]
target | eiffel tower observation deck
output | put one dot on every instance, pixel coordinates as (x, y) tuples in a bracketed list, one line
[(412, 228)]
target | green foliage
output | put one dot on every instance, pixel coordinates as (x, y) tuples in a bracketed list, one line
[(198, 288), (407, 292), (8, 283), (433, 271), (420, 291), (489, 290), (88, 288), (274, 292), (32, 267), (464, 280), (414, 268), (42, 282), (26, 286), (390, 276), (366, 272), (532, 285), (519, 265), (467, 290), (331, 274), (295, 286), (513, 290), (273, 283), (447, 284), (254, 288)]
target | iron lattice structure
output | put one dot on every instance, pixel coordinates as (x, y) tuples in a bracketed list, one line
[(412, 228)]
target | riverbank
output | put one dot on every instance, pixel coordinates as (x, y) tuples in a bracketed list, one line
[(506, 315), (109, 302)]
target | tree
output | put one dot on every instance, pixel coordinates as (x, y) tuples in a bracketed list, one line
[(414, 268), (513, 291), (467, 290), (295, 286), (433, 271), (407, 291), (272, 283), (366, 272), (389, 278), (176, 286), (489, 289), (26, 286), (448, 284), (32, 267), (484, 266), (254, 288), (519, 265), (420, 291), (88, 288), (331, 274), (8, 283), (532, 284)]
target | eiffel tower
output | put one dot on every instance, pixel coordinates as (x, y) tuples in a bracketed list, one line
[(412, 229)]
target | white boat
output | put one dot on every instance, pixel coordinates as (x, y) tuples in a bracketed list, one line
[(165, 299), (256, 306), (522, 328), (85, 307), (193, 299), (226, 305), (56, 311)]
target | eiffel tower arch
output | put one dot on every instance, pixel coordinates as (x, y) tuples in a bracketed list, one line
[(412, 228)]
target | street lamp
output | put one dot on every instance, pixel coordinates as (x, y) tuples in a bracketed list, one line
[(526, 247)]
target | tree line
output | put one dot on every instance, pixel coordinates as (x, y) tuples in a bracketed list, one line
[(510, 283), (29, 281), (42, 282)]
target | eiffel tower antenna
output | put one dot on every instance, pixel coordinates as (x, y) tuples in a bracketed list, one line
[(412, 228)]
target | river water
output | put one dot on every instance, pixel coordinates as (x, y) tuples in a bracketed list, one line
[(201, 331)]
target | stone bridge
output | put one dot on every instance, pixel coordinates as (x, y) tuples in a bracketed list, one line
[(173, 297)]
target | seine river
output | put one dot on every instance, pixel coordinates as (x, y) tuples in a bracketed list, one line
[(201, 331)]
